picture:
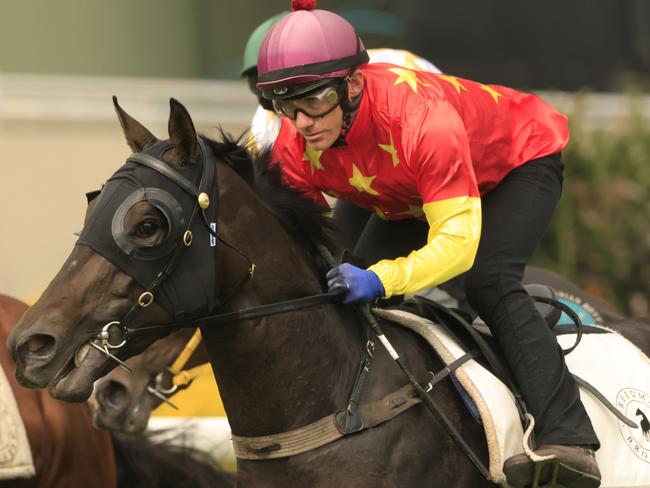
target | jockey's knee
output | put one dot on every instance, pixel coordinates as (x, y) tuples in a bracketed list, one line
[(487, 285)]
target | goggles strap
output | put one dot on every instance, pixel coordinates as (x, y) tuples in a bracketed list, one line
[(349, 108)]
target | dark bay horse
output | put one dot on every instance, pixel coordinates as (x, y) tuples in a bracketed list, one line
[(275, 373), (125, 402), (68, 452)]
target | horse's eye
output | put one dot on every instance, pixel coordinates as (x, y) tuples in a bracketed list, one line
[(147, 228)]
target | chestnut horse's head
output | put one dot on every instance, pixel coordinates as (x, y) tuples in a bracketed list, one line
[(146, 255)]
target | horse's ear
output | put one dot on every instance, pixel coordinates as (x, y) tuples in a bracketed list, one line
[(182, 132), (137, 136)]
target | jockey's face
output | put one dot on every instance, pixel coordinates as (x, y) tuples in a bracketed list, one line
[(322, 132), (319, 132)]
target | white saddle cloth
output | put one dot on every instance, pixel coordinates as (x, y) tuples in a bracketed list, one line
[(611, 363), (15, 453)]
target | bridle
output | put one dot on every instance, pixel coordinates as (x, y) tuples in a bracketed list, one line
[(180, 378), (195, 215), (188, 213)]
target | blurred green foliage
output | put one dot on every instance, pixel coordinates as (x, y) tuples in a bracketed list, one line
[(600, 235)]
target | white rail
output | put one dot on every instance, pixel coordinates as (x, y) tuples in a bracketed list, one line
[(76, 99)]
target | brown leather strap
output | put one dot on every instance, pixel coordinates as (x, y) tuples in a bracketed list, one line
[(389, 407), (322, 431)]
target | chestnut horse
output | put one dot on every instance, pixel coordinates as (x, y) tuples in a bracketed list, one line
[(66, 449), (275, 373), (68, 452)]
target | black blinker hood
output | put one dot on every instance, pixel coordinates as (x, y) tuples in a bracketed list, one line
[(189, 291)]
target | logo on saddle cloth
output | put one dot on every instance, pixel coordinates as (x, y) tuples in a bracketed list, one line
[(585, 310), (635, 405)]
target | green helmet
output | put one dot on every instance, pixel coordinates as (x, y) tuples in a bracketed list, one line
[(255, 41)]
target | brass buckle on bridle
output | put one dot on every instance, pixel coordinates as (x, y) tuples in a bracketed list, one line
[(104, 338)]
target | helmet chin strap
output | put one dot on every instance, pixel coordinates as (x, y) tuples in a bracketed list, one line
[(349, 107)]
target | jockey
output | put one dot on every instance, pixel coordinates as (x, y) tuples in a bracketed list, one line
[(350, 220), (266, 123), (477, 166)]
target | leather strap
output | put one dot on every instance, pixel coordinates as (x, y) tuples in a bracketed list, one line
[(322, 431), (246, 313), (185, 355), (350, 420), (329, 429), (162, 168)]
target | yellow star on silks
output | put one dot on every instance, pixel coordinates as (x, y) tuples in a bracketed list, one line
[(453, 81), (495, 94), (413, 210), (360, 182), (408, 76), (380, 213), (313, 156), (390, 148)]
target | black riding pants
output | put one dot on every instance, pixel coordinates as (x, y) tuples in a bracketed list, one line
[(515, 217)]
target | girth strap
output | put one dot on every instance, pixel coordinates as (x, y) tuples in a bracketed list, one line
[(322, 431), (330, 428)]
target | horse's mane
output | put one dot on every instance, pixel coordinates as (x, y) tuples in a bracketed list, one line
[(154, 460), (303, 218)]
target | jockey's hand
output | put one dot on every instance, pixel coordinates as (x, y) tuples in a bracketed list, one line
[(361, 285)]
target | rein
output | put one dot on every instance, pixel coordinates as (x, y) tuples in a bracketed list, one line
[(186, 353), (243, 314), (180, 378)]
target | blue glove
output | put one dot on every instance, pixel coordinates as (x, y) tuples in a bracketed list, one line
[(360, 285)]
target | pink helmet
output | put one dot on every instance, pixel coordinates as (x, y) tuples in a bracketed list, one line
[(305, 50)]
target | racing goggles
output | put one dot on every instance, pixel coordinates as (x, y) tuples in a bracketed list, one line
[(315, 105)]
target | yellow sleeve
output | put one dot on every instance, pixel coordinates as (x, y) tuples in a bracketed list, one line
[(454, 233)]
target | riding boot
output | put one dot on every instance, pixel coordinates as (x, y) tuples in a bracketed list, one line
[(569, 466)]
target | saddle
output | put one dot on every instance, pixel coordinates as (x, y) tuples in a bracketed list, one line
[(488, 390)]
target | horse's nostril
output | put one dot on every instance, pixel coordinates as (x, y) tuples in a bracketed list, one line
[(113, 394), (37, 345)]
